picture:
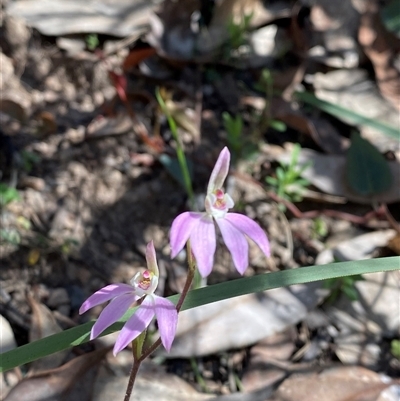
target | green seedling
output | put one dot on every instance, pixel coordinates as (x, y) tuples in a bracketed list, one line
[(237, 31), (395, 348), (7, 194), (288, 183), (237, 143), (237, 34), (10, 236), (320, 228), (92, 41), (29, 159), (345, 285), (265, 85), (233, 127)]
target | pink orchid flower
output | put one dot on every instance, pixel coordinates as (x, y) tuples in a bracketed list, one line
[(123, 296), (200, 229)]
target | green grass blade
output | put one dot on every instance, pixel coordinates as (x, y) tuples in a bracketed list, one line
[(342, 113), (78, 335)]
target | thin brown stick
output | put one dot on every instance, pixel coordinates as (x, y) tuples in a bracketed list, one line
[(132, 378)]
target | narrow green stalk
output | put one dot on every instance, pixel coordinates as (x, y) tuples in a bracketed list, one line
[(198, 375), (179, 149)]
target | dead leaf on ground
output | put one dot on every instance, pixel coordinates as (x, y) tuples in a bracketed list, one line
[(352, 90), (334, 34), (325, 135), (15, 100), (152, 383), (174, 34), (135, 57), (361, 323), (184, 117), (171, 32), (337, 384), (43, 325), (70, 382), (105, 126), (381, 47), (327, 173), (260, 371), (394, 244), (7, 335), (66, 17), (207, 330)]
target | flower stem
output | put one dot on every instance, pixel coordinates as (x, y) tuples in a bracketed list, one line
[(180, 154), (132, 377)]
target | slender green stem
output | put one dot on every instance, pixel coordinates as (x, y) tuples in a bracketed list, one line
[(179, 149)]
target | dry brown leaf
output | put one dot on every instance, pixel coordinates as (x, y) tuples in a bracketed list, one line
[(207, 330), (43, 325), (104, 126), (70, 382), (321, 130), (184, 117), (381, 47), (339, 384), (327, 173), (152, 383)]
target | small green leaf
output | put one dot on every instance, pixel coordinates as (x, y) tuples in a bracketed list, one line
[(367, 172), (395, 348), (391, 16), (350, 292), (278, 125), (7, 194), (173, 167)]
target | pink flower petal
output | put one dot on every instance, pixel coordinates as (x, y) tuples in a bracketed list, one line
[(251, 229), (167, 318), (220, 171), (181, 228), (112, 312), (104, 295), (202, 240), (236, 243), (135, 325), (151, 258)]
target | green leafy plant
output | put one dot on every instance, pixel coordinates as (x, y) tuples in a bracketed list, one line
[(29, 159), (11, 236), (320, 228), (237, 31), (345, 285), (240, 146), (265, 85), (395, 348), (391, 16), (234, 127), (7, 194), (92, 41), (288, 183)]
